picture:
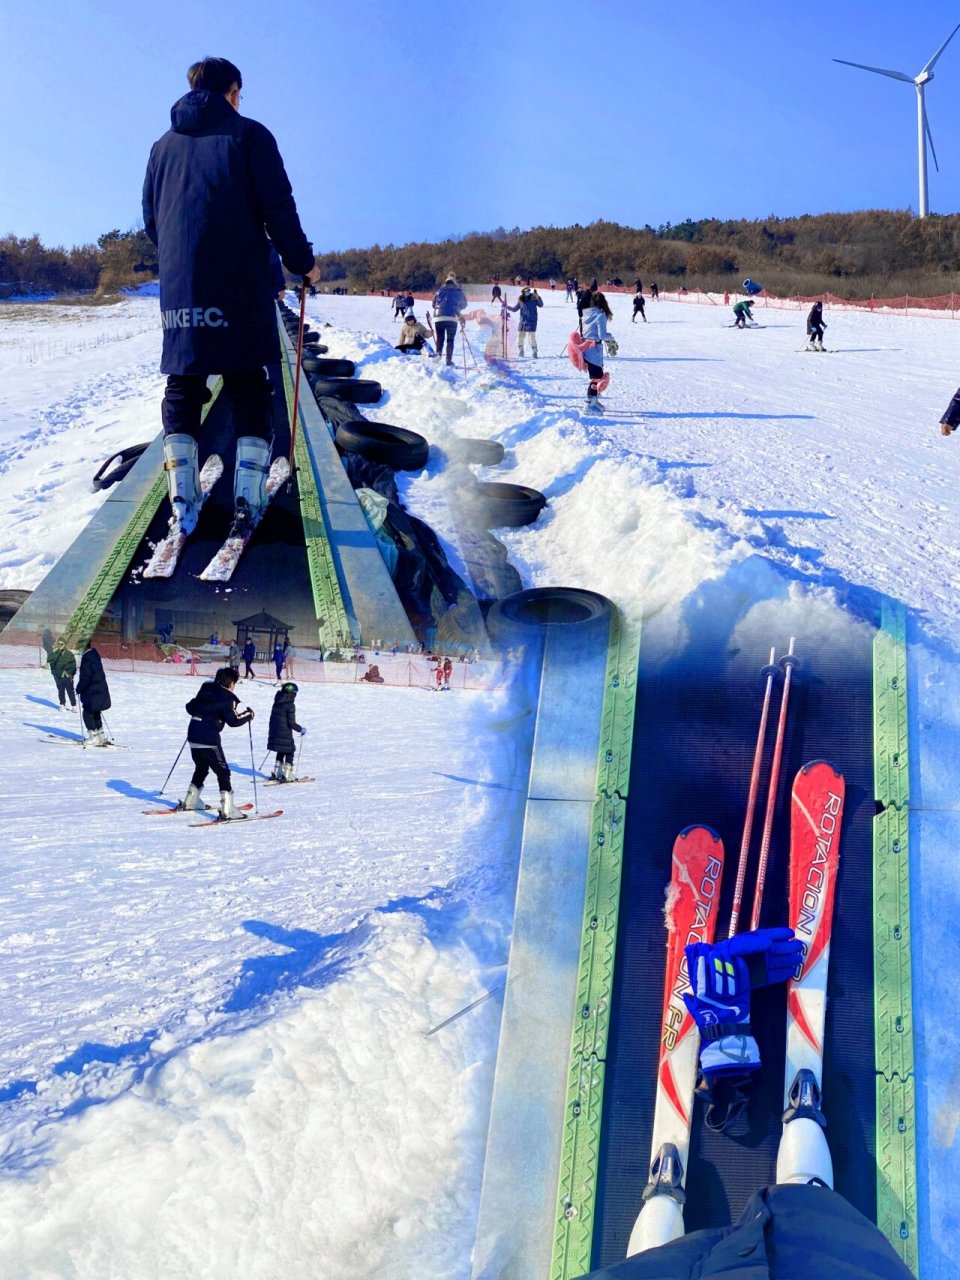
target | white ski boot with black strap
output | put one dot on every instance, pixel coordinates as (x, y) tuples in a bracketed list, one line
[(183, 482), (250, 482), (191, 801), (288, 773)]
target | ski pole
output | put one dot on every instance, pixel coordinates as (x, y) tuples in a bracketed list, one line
[(296, 768), (296, 372), (469, 348), (770, 671), (788, 662), (83, 732), (174, 765), (262, 763), (256, 803)]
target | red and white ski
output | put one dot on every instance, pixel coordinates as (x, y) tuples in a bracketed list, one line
[(690, 915), (163, 813), (226, 822), (221, 567), (166, 553), (816, 814)]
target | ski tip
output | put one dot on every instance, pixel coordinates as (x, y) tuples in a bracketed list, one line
[(687, 832), (813, 764)]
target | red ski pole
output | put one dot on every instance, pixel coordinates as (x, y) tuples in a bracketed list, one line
[(770, 671), (296, 372), (788, 662)]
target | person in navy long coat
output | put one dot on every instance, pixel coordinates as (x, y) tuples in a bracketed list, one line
[(94, 695), (215, 190), (283, 725)]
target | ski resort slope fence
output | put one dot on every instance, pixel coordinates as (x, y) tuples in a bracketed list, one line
[(401, 670)]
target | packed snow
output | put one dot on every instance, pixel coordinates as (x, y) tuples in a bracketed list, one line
[(217, 1061)]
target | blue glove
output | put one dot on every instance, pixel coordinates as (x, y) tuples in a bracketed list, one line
[(722, 976)]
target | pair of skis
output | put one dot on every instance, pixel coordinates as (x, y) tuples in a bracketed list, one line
[(816, 814), (166, 554), (217, 820)]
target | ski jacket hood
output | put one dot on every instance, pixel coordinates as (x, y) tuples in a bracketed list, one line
[(199, 111)]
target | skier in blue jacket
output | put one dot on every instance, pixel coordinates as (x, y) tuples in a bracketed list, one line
[(449, 302), (214, 190), (528, 304)]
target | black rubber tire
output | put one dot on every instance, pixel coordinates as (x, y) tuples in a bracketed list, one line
[(378, 442), (124, 458), (543, 607), (309, 335), (479, 452), (328, 368), (356, 390), (11, 600), (316, 348), (504, 505)]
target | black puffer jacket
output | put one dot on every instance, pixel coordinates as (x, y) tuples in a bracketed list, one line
[(92, 686), (215, 187), (785, 1232), (210, 710), (283, 722)]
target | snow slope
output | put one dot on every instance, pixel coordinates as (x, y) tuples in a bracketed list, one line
[(728, 467)]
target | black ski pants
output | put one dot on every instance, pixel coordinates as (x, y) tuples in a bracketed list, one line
[(65, 687), (250, 394), (815, 332), (446, 331), (205, 759), (596, 373), (92, 720)]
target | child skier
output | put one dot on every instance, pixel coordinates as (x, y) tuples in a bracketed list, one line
[(283, 725), (214, 706), (743, 313), (815, 327), (94, 696), (639, 305)]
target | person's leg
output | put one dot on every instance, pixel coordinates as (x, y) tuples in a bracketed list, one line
[(61, 684), (533, 344), (201, 767), (251, 399), (71, 692), (218, 762), (521, 339), (180, 412), (596, 373)]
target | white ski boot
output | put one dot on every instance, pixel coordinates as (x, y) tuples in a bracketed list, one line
[(288, 773), (183, 482), (804, 1156), (228, 810), (192, 799), (250, 482)]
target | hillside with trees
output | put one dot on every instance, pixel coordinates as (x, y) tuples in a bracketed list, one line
[(876, 252)]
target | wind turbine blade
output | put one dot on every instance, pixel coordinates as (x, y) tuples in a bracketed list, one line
[(930, 64), (896, 75), (926, 127)]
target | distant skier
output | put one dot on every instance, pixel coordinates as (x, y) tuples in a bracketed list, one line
[(278, 658), (528, 304), (215, 183), (63, 667), (654, 290), (214, 707), (815, 327), (639, 306), (283, 725), (447, 672), (233, 655), (495, 294), (289, 653), (399, 304), (94, 695), (46, 644), (571, 290), (638, 285), (249, 653), (448, 304), (743, 313)]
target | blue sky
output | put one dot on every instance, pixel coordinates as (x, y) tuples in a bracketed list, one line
[(401, 122)]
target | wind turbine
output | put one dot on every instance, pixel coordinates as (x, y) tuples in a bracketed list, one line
[(923, 126)]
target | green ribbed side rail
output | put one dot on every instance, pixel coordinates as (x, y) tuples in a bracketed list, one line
[(86, 617), (893, 1030), (573, 1238), (324, 583)]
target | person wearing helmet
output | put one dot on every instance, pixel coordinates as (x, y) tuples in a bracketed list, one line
[(283, 725), (528, 304), (214, 706), (448, 304)]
